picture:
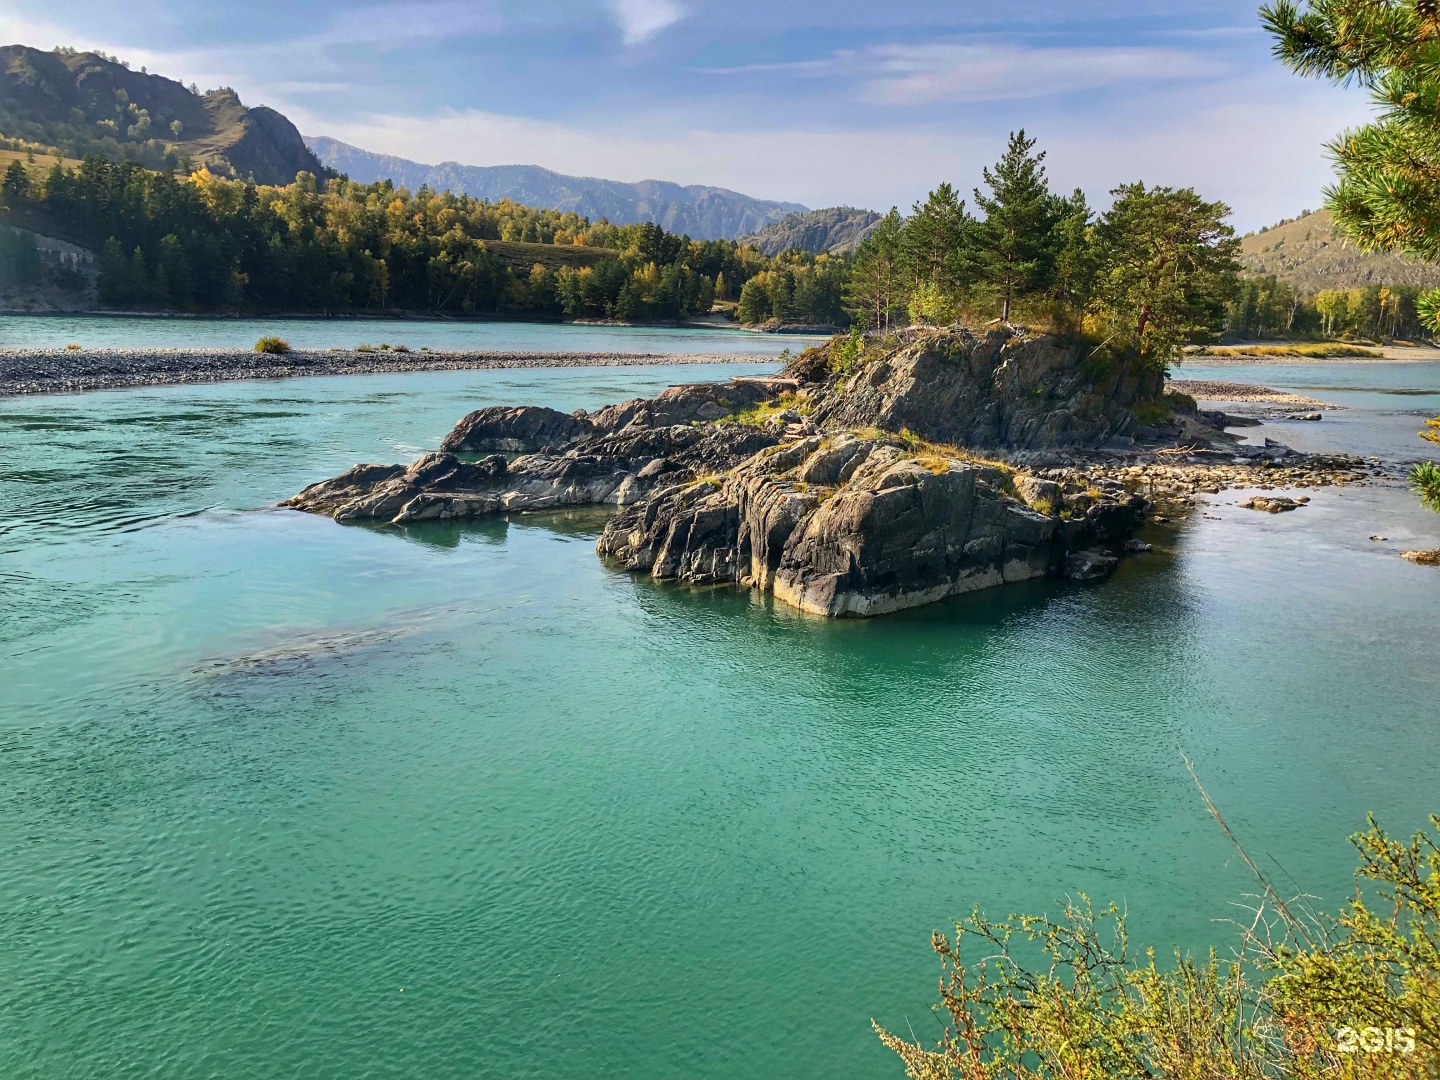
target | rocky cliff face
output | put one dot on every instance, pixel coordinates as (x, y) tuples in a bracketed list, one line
[(853, 526), (819, 488)]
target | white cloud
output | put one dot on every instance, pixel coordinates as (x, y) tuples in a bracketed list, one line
[(926, 74), (640, 20), (938, 72), (1260, 149)]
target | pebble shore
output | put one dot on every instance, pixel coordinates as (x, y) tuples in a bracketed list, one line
[(58, 371)]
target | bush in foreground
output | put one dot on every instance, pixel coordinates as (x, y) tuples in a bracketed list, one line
[(1304, 997), (1425, 479), (275, 346)]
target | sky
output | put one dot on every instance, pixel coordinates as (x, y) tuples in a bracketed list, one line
[(824, 102)]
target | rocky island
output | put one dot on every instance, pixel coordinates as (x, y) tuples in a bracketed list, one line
[(868, 477)]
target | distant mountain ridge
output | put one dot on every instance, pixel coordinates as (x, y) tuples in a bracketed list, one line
[(837, 230), (84, 103), (703, 213), (1309, 255)]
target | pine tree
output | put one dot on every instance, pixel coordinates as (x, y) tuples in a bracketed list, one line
[(874, 290), (16, 186), (114, 280), (1011, 248), (1169, 266), (934, 238), (1387, 196)]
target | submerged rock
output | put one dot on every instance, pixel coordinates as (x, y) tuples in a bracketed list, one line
[(1278, 504), (1090, 565)]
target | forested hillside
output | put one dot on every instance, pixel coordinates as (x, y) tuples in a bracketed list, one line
[(706, 213), (1309, 255), (207, 243), (82, 103), (834, 231)]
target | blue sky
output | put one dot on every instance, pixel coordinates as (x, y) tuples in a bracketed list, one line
[(813, 101)]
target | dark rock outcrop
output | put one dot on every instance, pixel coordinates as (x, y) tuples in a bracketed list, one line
[(522, 430), (819, 488), (854, 526), (999, 389), (604, 470), (693, 403)]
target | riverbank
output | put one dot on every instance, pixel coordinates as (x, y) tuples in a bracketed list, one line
[(53, 371), (1387, 354)]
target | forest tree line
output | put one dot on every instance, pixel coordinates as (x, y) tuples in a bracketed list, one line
[(1154, 272), (206, 243)]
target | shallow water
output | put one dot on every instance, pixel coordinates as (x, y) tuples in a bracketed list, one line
[(282, 797), (1385, 404), (160, 332)]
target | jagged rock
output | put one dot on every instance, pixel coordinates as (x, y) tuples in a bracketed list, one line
[(1423, 558), (687, 404), (995, 390), (385, 492), (1044, 495), (827, 518), (851, 526), (613, 470), (521, 430), (1138, 547)]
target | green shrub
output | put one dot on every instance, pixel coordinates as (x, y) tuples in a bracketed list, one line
[(1425, 480), (1357, 995), (275, 346)]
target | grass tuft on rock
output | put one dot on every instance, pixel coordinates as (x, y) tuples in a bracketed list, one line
[(272, 346)]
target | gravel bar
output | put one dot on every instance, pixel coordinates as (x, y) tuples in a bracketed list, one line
[(58, 371)]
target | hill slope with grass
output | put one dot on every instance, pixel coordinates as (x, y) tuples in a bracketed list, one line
[(1307, 254), (836, 230), (702, 213), (82, 103)]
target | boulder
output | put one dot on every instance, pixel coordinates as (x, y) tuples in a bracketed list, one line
[(522, 430)]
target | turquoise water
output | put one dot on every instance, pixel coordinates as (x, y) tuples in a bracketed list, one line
[(159, 332), (1384, 404), (284, 798)]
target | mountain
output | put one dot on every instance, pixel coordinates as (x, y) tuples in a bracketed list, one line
[(85, 103), (703, 213), (1307, 254), (837, 230)]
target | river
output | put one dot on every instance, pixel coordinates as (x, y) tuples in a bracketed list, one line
[(163, 332), (283, 797)]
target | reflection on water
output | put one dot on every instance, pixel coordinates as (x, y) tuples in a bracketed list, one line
[(263, 771)]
